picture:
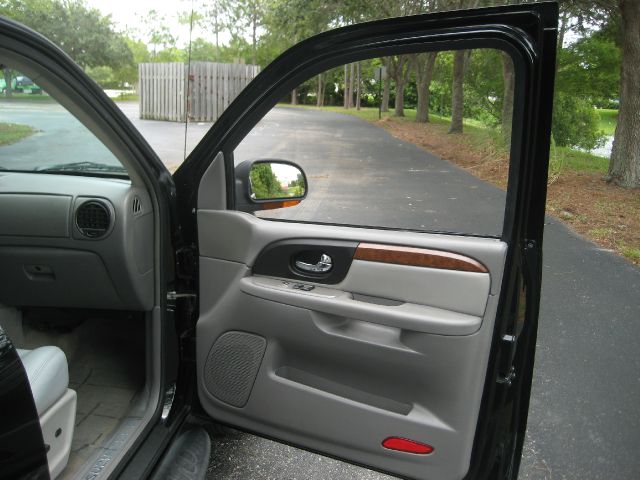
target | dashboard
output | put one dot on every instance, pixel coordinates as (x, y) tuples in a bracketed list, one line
[(75, 241)]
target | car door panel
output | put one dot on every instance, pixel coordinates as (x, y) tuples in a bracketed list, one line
[(416, 339), (381, 353)]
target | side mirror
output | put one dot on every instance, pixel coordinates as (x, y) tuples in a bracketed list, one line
[(269, 184)]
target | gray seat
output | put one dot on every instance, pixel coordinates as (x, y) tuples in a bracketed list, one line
[(48, 374)]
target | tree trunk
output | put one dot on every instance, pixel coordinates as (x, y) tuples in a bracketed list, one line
[(253, 38), (217, 30), (346, 86), (562, 29), (508, 77), (294, 96), (399, 105), (424, 73), (399, 75), (386, 87), (457, 98), (624, 165), (358, 82), (351, 75), (7, 81), (320, 91)]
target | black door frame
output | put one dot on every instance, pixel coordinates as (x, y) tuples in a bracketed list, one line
[(526, 32)]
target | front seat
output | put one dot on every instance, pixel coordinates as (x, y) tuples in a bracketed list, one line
[(48, 374)]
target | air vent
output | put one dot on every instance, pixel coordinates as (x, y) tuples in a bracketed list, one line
[(137, 206), (93, 219)]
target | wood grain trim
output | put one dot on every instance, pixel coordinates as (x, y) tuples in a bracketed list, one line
[(417, 257)]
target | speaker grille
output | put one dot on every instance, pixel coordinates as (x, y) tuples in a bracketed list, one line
[(232, 366)]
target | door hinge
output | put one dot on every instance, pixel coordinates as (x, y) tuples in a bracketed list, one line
[(508, 374), (173, 296), (508, 378)]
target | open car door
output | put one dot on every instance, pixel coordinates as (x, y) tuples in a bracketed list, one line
[(409, 351)]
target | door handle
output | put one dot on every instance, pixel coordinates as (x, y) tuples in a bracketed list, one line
[(323, 266)]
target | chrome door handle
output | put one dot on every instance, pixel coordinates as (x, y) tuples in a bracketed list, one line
[(323, 266)]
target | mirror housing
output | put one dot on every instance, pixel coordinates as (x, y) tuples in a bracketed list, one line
[(267, 184)]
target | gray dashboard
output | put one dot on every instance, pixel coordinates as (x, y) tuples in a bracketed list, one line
[(75, 241)]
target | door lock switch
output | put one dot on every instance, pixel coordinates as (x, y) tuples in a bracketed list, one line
[(303, 287)]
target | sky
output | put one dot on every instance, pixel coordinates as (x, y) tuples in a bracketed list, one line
[(126, 14)]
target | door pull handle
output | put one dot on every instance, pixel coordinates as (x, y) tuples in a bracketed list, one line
[(323, 266)]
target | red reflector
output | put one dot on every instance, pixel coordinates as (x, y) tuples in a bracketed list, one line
[(406, 445)]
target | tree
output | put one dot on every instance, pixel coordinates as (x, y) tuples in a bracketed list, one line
[(424, 64), (623, 18), (575, 122), (128, 73), (624, 164), (347, 93), (387, 86), (590, 68), (457, 95), (399, 69), (289, 21), (249, 14), (158, 35), (508, 80), (203, 51), (358, 85), (82, 32), (264, 183), (211, 16)]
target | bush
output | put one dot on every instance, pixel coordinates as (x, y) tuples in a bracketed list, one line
[(104, 76), (575, 123)]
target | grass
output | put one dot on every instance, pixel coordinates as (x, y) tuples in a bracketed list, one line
[(608, 120), (631, 253), (579, 161), (127, 97), (26, 97), (12, 133)]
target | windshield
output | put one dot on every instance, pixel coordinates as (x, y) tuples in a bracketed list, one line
[(37, 134)]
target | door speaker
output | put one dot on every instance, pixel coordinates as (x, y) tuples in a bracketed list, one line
[(232, 366)]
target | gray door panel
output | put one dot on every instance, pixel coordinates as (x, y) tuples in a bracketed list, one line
[(401, 315), (342, 367), (240, 237)]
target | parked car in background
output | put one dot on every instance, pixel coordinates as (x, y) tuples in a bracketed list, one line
[(20, 84)]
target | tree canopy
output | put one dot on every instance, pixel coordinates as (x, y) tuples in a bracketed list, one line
[(82, 32)]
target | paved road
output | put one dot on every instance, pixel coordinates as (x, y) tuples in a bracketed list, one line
[(585, 413), (167, 138), (60, 138)]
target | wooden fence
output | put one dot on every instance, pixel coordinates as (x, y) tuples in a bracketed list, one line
[(168, 91)]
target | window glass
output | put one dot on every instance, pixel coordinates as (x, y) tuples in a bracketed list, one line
[(39, 135), (410, 169)]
